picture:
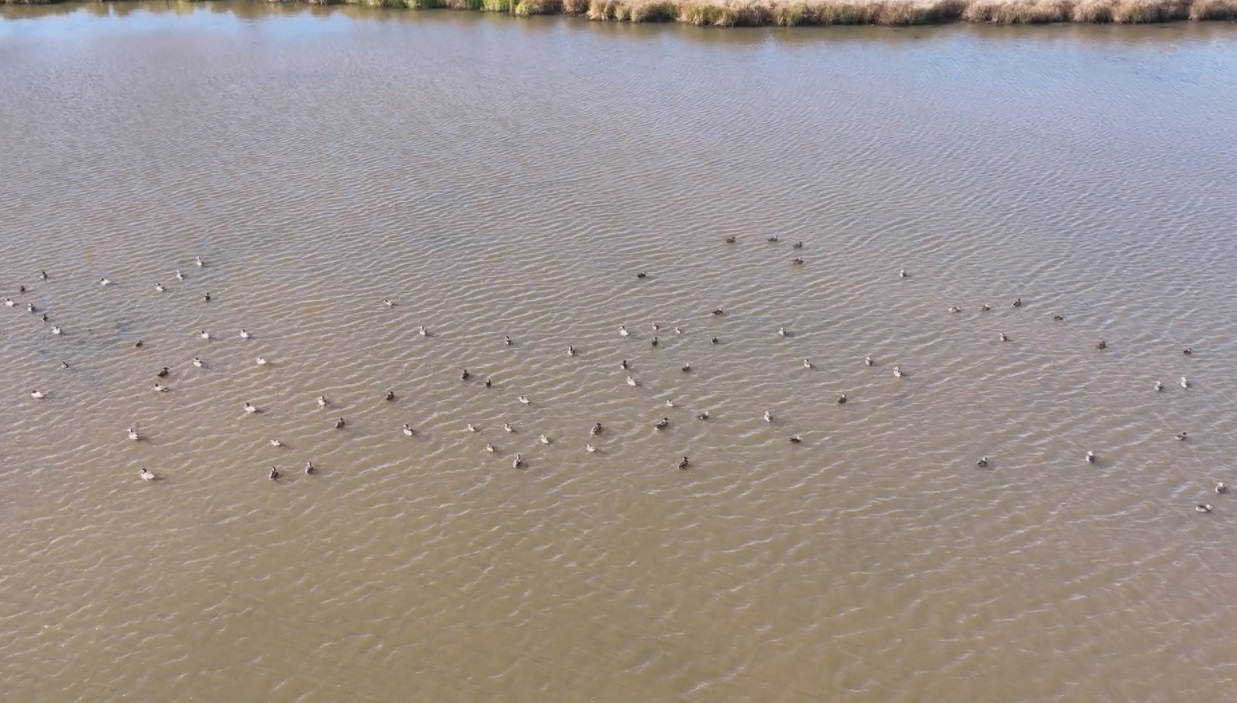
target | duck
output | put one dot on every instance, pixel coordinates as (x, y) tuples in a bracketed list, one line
[(276, 443), (1058, 318), (842, 399), (955, 309), (489, 383), (903, 274), (719, 312), (517, 462), (595, 429), (1187, 351), (715, 340), (632, 382), (8, 302), (507, 340), (797, 260), (1185, 383), (773, 240), (590, 448), (796, 439), (159, 288), (985, 308), (507, 427), (684, 463), (490, 448), (702, 415), (524, 400), (797, 245), (897, 372), (38, 395), (388, 302), (1017, 302), (669, 403), (1203, 508), (56, 330), (31, 309), (768, 416), (1182, 436), (1101, 345), (653, 342), (250, 408), (1221, 487), (655, 326), (464, 375), (323, 402), (423, 331), (163, 373), (179, 276), (685, 368), (390, 396), (1004, 337), (245, 334), (261, 361), (64, 364), (133, 435), (198, 362), (45, 318), (571, 351), (678, 330), (206, 297), (42, 275), (147, 474), (983, 462), (160, 388), (197, 261), (624, 365), (138, 344), (274, 474), (104, 282), (642, 275), (310, 468), (781, 332), (807, 364), (661, 424), (340, 423), (1090, 457), (731, 239), (623, 331), (204, 334), (543, 439), (470, 427), (867, 361), (407, 430), (1159, 386)]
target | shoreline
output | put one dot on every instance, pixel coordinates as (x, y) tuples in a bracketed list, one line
[(807, 13)]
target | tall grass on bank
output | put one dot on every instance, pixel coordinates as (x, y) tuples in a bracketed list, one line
[(792, 13)]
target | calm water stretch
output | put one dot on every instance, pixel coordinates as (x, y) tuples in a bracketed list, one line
[(499, 178)]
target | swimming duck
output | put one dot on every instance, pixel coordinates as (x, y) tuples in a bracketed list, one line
[(45, 318), (684, 463), (702, 415), (8, 302), (543, 439), (261, 361), (1185, 383), (1181, 436), (64, 364), (250, 409), (388, 302), (595, 430), (719, 312), (1203, 508), (590, 448), (797, 260), (632, 382), (104, 282), (163, 373), (206, 297), (1090, 457), (1101, 345), (198, 362), (197, 261), (653, 342), (655, 326), (507, 340), (159, 387), (147, 474), (464, 375), (423, 331), (489, 448), (159, 288), (323, 402), (715, 340), (30, 308), (624, 365), (807, 364), (1004, 337), (897, 372), (768, 416), (661, 424), (983, 462), (179, 276), (56, 330), (955, 309), (310, 468), (137, 344), (773, 239), (390, 396), (1187, 351), (903, 274), (678, 330), (407, 430), (340, 424), (1159, 386), (797, 245), (42, 275), (245, 335), (781, 331), (842, 399), (204, 334), (518, 462), (730, 240), (1017, 302), (276, 443), (133, 435), (1058, 318), (1221, 487), (797, 439), (669, 403), (470, 427), (686, 368), (623, 331), (642, 275), (571, 351), (274, 474), (524, 400), (985, 308), (38, 395), (867, 361), (507, 427), (489, 383)]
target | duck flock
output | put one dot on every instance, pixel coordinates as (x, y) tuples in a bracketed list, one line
[(517, 460)]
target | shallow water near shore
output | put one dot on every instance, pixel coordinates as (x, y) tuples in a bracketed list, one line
[(494, 177)]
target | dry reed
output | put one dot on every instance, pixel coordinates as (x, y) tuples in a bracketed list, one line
[(792, 13)]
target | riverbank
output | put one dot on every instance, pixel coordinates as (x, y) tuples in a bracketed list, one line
[(789, 13)]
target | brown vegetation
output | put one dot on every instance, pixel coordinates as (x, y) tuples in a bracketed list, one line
[(789, 13)]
